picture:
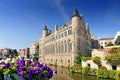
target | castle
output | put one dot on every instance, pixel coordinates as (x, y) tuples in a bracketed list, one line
[(61, 46)]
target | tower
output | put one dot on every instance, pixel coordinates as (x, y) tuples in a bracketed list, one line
[(75, 19), (45, 31), (78, 28)]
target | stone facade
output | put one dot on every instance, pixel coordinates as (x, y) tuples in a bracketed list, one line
[(33, 49), (94, 42), (24, 52), (61, 46), (7, 52)]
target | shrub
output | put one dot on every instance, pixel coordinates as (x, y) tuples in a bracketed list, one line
[(78, 69), (117, 77), (86, 58), (103, 67), (75, 69), (113, 59), (102, 73), (110, 44), (92, 72), (85, 70), (97, 60), (110, 74)]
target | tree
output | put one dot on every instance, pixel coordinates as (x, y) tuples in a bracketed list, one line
[(36, 55), (97, 60), (28, 55), (15, 53), (113, 59), (117, 41), (78, 58), (110, 44), (37, 50)]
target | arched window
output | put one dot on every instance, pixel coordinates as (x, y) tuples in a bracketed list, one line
[(53, 49), (69, 47), (62, 48), (59, 49), (65, 48), (56, 49)]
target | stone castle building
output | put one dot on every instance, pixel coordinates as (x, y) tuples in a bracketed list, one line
[(61, 46)]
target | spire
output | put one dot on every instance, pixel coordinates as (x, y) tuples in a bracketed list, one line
[(45, 27), (75, 13)]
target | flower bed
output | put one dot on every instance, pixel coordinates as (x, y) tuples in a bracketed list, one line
[(27, 69)]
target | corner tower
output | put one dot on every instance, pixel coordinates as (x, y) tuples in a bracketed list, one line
[(75, 19), (78, 28), (45, 30)]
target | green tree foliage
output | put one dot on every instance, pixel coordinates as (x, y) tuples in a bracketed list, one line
[(78, 58), (15, 53), (97, 60), (113, 59), (37, 50), (28, 55), (117, 41), (110, 44), (36, 55), (86, 58)]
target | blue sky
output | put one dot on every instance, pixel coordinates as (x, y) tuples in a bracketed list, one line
[(22, 21)]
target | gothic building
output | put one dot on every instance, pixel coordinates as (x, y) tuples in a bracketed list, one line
[(61, 46)]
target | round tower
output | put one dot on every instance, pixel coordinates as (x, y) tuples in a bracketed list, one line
[(75, 20), (45, 30)]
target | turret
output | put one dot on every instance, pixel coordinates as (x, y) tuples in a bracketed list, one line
[(75, 13), (56, 28), (45, 31), (76, 18), (87, 28)]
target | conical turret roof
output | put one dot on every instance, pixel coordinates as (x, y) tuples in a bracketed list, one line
[(75, 13), (45, 27)]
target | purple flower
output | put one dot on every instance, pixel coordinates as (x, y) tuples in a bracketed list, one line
[(29, 70), (2, 64), (20, 72), (25, 68), (7, 65), (29, 61), (30, 76), (38, 70), (42, 76), (12, 64)]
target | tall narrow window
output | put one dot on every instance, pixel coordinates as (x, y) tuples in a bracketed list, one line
[(56, 49), (68, 47), (65, 33), (65, 48), (62, 49), (62, 34), (59, 49)]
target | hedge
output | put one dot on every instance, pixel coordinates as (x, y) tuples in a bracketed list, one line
[(110, 74), (89, 71)]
